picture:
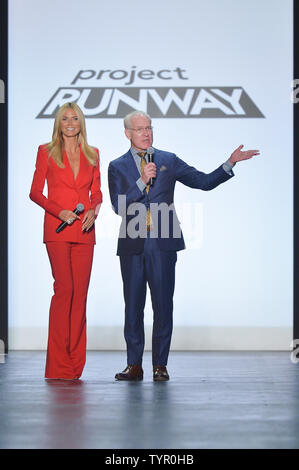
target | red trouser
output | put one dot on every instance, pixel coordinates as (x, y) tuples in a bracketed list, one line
[(71, 267)]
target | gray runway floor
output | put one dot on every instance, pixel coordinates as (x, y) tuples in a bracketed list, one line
[(214, 400)]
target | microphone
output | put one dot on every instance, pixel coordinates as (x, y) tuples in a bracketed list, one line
[(79, 208), (150, 151)]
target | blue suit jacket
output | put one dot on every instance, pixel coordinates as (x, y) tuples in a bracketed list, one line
[(122, 177)]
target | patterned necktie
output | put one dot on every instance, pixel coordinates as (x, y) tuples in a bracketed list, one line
[(149, 222)]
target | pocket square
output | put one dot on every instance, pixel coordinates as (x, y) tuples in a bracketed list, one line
[(163, 168)]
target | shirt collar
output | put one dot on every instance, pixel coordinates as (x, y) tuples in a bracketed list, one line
[(134, 152)]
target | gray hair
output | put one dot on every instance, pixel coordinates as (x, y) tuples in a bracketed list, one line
[(128, 117)]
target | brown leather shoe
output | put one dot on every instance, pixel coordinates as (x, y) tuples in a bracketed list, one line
[(132, 372), (160, 374)]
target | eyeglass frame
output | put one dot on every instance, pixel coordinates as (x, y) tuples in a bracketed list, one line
[(140, 130)]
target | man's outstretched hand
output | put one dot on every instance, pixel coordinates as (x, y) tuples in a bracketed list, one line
[(239, 155)]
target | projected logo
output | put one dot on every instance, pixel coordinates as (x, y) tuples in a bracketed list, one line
[(157, 101)]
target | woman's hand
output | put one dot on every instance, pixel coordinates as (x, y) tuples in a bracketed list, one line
[(88, 220), (68, 216)]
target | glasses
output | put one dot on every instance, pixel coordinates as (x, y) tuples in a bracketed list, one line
[(141, 130)]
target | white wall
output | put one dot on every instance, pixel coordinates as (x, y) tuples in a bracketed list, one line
[(234, 281)]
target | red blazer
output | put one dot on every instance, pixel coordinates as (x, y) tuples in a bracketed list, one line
[(64, 192)]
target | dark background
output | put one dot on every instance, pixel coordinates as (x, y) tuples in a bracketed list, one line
[(296, 172), (3, 176)]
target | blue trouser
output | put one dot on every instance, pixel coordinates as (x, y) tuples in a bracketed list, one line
[(157, 268)]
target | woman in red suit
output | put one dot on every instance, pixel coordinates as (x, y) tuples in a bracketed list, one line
[(71, 168)]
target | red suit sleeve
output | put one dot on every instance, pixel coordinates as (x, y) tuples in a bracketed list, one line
[(38, 183)]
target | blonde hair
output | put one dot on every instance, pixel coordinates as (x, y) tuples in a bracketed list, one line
[(55, 147)]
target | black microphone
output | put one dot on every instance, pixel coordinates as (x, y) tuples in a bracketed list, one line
[(79, 208), (150, 151)]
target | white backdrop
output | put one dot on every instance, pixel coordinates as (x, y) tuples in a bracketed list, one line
[(234, 280)]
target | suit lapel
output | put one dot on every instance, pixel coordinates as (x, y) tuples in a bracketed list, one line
[(131, 166), (132, 170), (69, 172)]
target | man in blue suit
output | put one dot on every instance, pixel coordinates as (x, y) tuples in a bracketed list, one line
[(142, 193)]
